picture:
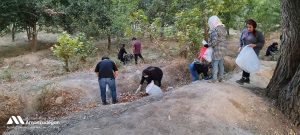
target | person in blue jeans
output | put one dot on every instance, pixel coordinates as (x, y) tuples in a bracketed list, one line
[(197, 68), (107, 71), (217, 40)]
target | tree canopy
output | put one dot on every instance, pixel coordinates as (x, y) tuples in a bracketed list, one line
[(122, 19)]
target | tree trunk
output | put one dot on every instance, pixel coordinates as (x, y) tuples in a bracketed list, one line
[(13, 32), (28, 32), (109, 41), (67, 69), (206, 30), (34, 39), (284, 86), (151, 38), (162, 30), (227, 28)]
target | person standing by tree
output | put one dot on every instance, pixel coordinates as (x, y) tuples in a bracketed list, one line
[(217, 40), (107, 71), (137, 48), (254, 39)]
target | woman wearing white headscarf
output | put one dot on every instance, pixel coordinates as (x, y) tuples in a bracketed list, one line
[(217, 40)]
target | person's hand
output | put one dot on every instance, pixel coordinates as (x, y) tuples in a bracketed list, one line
[(116, 74), (138, 89), (252, 45), (240, 48)]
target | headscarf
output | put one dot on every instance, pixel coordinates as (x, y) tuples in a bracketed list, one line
[(213, 22)]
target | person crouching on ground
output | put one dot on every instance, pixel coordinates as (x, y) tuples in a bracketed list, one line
[(121, 54), (198, 67), (107, 71), (272, 49), (149, 74)]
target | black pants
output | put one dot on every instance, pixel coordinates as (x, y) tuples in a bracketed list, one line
[(136, 57), (245, 74), (122, 59), (201, 68)]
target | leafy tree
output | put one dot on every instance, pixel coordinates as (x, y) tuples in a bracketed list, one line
[(66, 48), (23, 15), (188, 28), (138, 24), (69, 47), (230, 12)]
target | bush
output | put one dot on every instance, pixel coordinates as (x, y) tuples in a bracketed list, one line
[(88, 49), (73, 48), (6, 74)]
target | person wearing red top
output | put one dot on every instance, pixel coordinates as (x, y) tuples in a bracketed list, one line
[(136, 48)]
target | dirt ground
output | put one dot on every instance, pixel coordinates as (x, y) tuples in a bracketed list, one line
[(199, 108), (38, 84)]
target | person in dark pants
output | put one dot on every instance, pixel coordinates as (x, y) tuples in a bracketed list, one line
[(121, 54), (197, 68), (254, 39), (149, 74), (107, 71), (272, 49), (137, 48)]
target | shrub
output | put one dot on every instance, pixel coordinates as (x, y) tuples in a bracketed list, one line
[(88, 49), (6, 74), (73, 48)]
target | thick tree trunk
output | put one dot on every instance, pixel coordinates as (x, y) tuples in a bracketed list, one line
[(284, 86)]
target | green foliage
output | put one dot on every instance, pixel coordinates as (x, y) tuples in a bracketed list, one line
[(138, 24), (188, 28), (186, 19), (267, 15), (88, 47), (79, 47)]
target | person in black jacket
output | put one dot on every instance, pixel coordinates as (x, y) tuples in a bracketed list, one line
[(121, 54), (154, 74), (272, 49)]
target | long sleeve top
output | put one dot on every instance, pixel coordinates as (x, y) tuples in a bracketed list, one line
[(249, 38), (217, 40)]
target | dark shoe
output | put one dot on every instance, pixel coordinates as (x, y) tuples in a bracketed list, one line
[(114, 102), (247, 80), (243, 80), (207, 78), (104, 103), (221, 80)]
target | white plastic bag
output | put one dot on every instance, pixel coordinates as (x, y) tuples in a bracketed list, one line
[(152, 89), (247, 60), (208, 54)]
